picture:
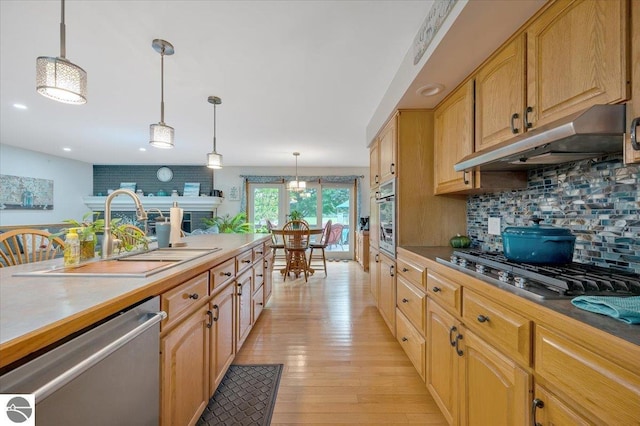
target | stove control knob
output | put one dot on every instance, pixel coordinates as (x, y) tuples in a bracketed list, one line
[(480, 268), (504, 276), (520, 282)]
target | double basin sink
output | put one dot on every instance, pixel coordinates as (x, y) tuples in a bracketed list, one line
[(136, 265)]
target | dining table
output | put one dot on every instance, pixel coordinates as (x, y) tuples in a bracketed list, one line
[(298, 256)]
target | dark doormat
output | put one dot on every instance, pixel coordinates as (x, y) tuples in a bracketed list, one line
[(246, 396)]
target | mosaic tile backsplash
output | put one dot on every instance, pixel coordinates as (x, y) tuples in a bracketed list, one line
[(598, 200)]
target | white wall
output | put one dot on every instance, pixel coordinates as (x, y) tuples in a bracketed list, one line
[(71, 180), (227, 177)]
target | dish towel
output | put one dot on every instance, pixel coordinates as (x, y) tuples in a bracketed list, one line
[(625, 309)]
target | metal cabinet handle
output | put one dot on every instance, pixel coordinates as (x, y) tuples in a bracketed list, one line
[(259, 275), (405, 300), (464, 177), (452, 330), (404, 339), (193, 296), (392, 168), (260, 303), (458, 350), (210, 323), (376, 180), (239, 289), (377, 258), (391, 269), (483, 318), (436, 289), (634, 136), (527, 123), (405, 270), (225, 274), (537, 403), (259, 252), (514, 117), (57, 382), (217, 308), (246, 261)]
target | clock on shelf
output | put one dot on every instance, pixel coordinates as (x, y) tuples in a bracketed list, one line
[(164, 174)]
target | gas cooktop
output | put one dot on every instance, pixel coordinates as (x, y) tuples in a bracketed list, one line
[(541, 282)]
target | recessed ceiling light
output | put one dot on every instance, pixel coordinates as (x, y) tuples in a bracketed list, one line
[(430, 89), (19, 106), (142, 149), (66, 149)]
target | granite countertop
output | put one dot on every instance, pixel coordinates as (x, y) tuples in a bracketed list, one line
[(36, 311), (620, 329)]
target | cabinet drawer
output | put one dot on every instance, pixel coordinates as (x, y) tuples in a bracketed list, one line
[(223, 273), (179, 301), (258, 303), (258, 275), (244, 260), (447, 293), (507, 331), (411, 272), (610, 392), (258, 252), (411, 341), (412, 302)]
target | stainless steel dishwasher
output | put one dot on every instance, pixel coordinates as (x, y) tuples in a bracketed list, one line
[(109, 375)]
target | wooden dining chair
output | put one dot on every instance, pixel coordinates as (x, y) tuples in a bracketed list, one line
[(26, 245), (277, 247), (295, 235), (319, 247)]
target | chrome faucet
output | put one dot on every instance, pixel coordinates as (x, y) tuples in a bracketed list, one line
[(107, 239)]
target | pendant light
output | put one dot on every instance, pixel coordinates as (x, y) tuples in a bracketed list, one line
[(214, 160), (297, 185), (161, 135), (59, 79)]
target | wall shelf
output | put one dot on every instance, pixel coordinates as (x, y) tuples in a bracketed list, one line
[(124, 203)]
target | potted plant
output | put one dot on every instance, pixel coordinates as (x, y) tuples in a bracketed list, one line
[(229, 225), (295, 215), (88, 231)]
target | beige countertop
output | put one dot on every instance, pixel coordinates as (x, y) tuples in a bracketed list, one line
[(627, 332), (37, 311)]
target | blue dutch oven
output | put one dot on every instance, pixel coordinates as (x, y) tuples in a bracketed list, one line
[(538, 244)]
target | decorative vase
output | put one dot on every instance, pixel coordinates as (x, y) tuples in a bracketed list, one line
[(88, 247)]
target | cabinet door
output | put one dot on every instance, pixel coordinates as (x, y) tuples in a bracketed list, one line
[(388, 145), (442, 361), (374, 274), (552, 411), (387, 301), (374, 222), (453, 140), (185, 370), (494, 389), (412, 342), (374, 165), (222, 339), (268, 276), (576, 57), (632, 155), (243, 292), (500, 96)]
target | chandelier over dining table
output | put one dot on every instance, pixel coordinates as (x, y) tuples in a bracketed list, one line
[(297, 184)]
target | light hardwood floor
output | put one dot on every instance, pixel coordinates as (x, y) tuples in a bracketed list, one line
[(341, 363)]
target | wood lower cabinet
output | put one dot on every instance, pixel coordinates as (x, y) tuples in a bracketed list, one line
[(551, 411), (267, 263), (387, 295), (374, 274), (244, 306), (184, 357), (362, 249), (222, 334)]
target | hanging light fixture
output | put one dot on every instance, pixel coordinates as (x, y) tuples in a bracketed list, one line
[(297, 185), (214, 160), (59, 79), (161, 135)]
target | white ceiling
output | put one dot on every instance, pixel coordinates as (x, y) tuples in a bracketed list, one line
[(311, 76)]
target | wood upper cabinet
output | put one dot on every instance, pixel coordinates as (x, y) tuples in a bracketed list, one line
[(388, 146), (453, 140), (500, 95), (387, 295), (222, 337), (374, 165), (577, 54), (184, 356), (631, 153)]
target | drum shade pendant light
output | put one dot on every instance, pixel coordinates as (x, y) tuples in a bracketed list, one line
[(297, 185), (161, 135), (214, 160), (59, 79)]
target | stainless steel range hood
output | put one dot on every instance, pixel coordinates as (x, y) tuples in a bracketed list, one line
[(591, 133)]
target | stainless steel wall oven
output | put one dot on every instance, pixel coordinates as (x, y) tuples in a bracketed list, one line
[(387, 217)]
